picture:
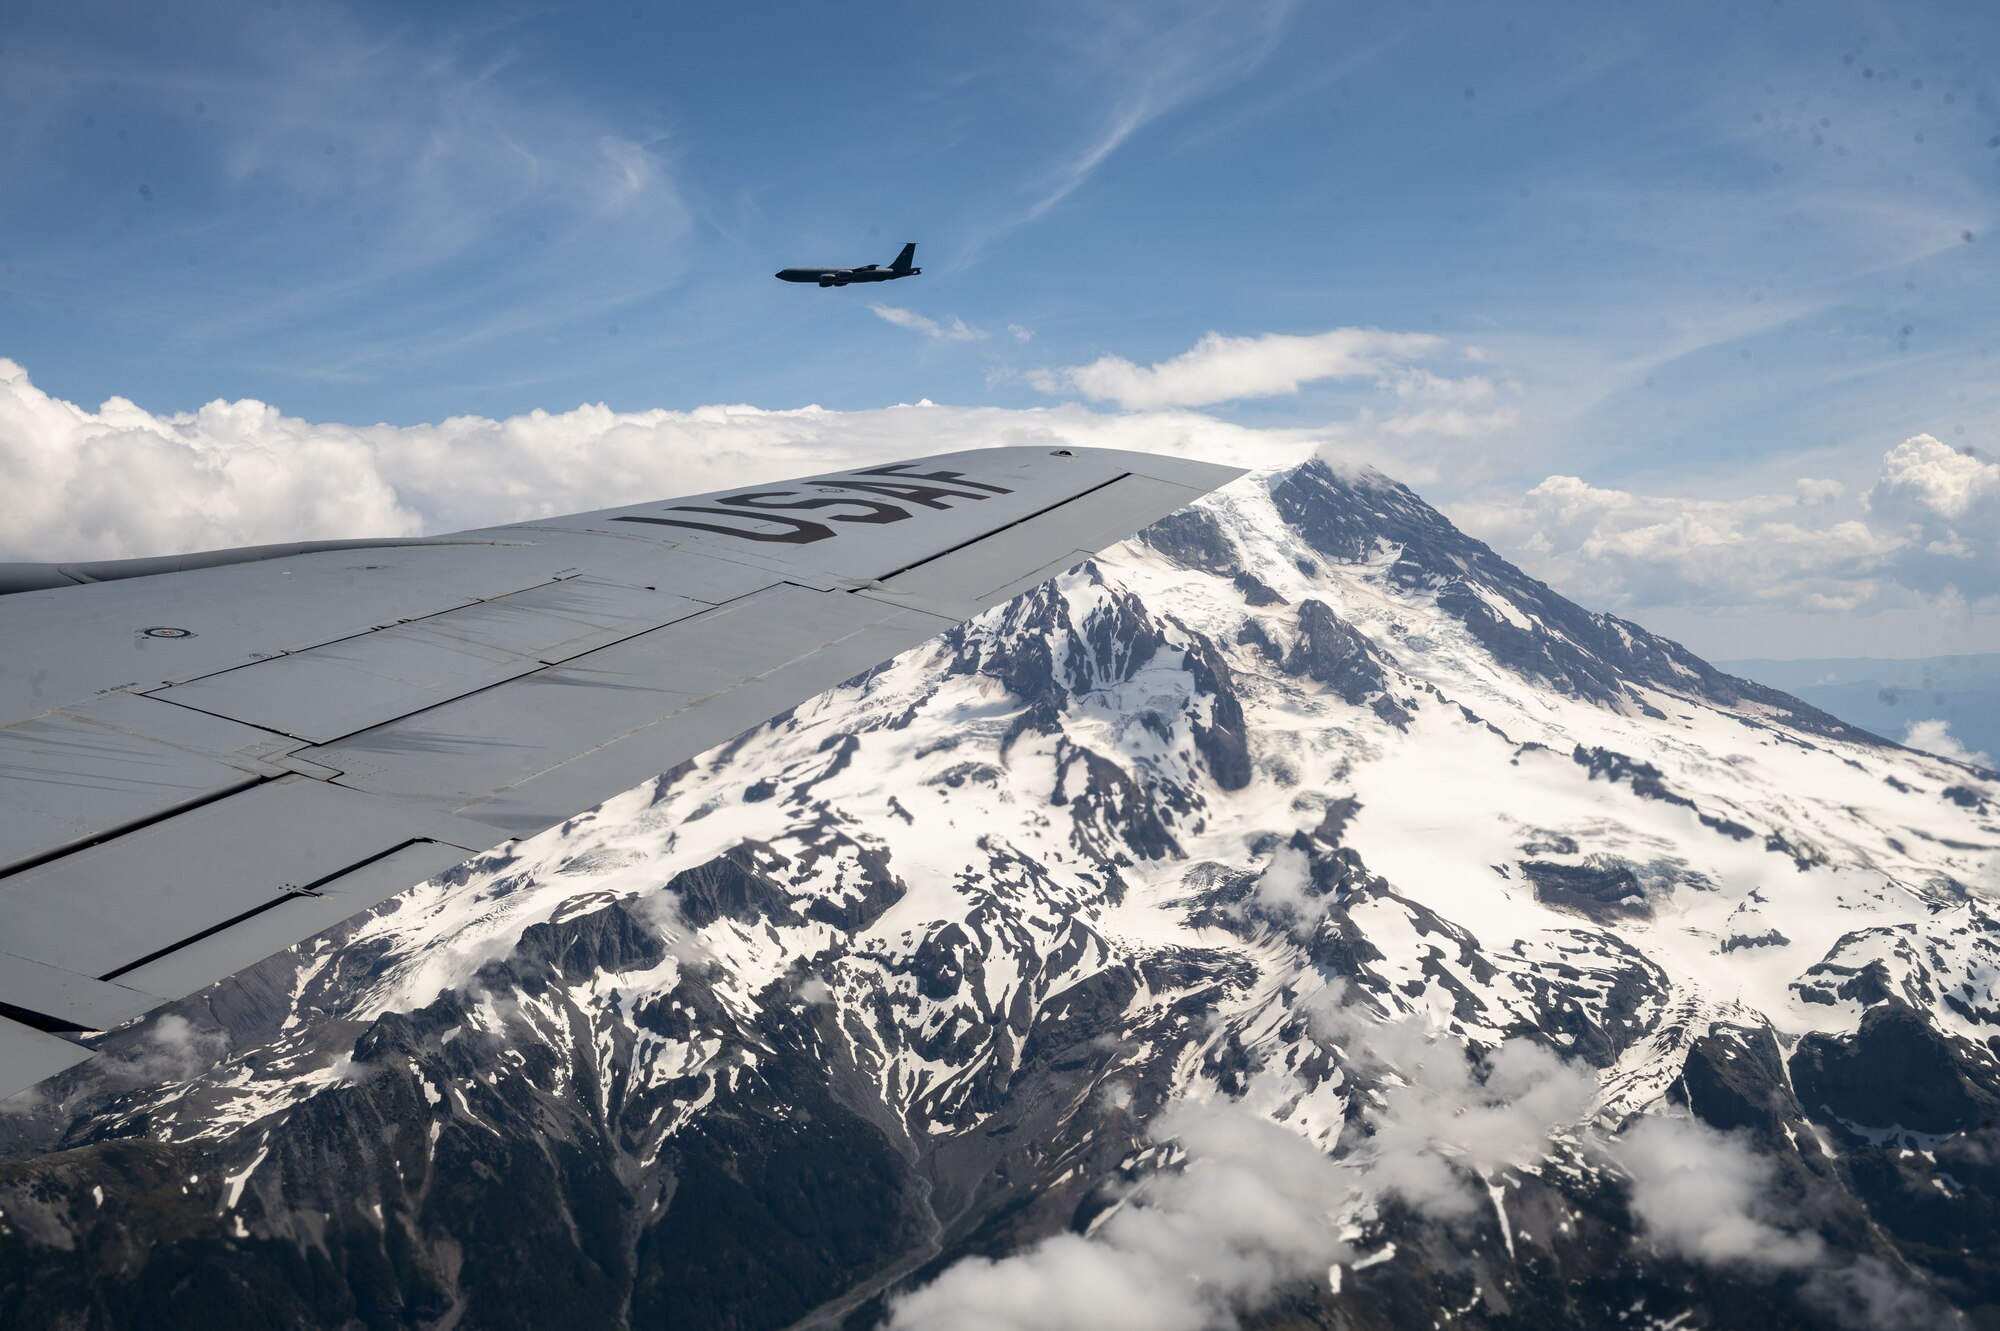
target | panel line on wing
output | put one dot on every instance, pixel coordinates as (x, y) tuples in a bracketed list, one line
[(543, 668), (112, 833), (291, 892), (987, 536)]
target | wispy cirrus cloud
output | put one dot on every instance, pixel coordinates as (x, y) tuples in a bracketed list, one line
[(1150, 60), (1229, 369), (325, 195)]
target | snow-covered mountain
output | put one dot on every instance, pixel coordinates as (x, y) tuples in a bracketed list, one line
[(1296, 917)]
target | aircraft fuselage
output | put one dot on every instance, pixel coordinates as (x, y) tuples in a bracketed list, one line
[(840, 277)]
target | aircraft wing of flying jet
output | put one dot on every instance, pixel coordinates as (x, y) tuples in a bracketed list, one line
[(205, 759), (900, 266)]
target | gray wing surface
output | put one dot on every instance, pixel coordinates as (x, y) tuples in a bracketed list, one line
[(201, 767)]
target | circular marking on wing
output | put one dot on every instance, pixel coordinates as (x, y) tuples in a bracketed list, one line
[(162, 631)]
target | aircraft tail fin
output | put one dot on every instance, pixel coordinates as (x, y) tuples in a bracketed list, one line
[(906, 258)]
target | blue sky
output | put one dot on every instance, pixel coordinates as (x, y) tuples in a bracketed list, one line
[(1692, 253)]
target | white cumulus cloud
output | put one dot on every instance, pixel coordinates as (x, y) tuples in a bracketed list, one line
[(1444, 1113), (1936, 737), (1254, 1207), (1616, 548), (1248, 1212), (1928, 528), (1702, 1194), (1229, 369), (1944, 507)]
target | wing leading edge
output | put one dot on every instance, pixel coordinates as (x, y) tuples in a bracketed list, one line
[(202, 767)]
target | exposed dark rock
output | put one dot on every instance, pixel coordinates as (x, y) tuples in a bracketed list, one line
[(1334, 820), (606, 939), (945, 963), (843, 747), (1193, 537), (1330, 651), (1252, 634), (1254, 591), (1598, 1002), (1769, 938), (730, 885), (1896, 1072), (1829, 983), (1729, 827), (1734, 1078), (1646, 779), (1120, 639), (1803, 856), (855, 901), (1109, 808), (1608, 890), (1223, 740)]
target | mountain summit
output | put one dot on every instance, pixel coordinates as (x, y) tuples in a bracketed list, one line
[(1296, 917)]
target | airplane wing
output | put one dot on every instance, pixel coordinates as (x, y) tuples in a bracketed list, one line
[(199, 768)]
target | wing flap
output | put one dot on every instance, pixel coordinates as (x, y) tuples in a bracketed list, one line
[(225, 951), (102, 910), (72, 777), (66, 1000), (28, 1056)]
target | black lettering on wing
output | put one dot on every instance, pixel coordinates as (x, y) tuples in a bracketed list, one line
[(801, 531), (773, 506), (930, 496), (871, 510)]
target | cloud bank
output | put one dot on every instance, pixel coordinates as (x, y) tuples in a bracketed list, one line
[(121, 481), (1927, 528), (1944, 508)]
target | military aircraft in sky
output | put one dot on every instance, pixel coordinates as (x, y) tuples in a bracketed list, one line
[(872, 272), (206, 758)]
